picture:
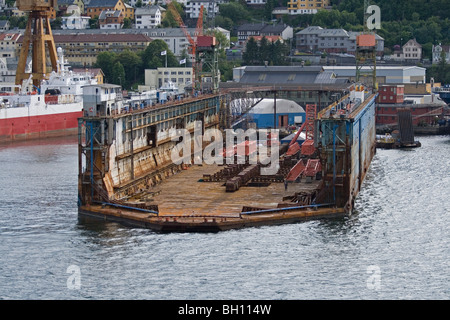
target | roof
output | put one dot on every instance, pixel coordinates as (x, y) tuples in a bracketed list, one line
[(412, 42), (333, 33), (65, 2), (101, 3), (265, 106), (262, 27), (92, 71), (269, 38), (354, 34), (366, 40), (148, 10), (109, 14), (9, 36), (3, 23), (98, 37), (288, 75), (311, 30)]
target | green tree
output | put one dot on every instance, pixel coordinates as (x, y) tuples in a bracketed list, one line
[(105, 61), (234, 11), (152, 58), (132, 64), (127, 23), (251, 54), (118, 74)]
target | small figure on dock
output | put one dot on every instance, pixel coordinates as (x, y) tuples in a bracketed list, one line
[(285, 184)]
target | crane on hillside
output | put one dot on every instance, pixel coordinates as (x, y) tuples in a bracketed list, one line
[(196, 66)]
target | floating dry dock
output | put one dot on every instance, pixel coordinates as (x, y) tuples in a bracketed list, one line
[(127, 175)]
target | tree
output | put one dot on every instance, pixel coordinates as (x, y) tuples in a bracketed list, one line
[(118, 74), (127, 23), (132, 64), (251, 54), (105, 61), (152, 58)]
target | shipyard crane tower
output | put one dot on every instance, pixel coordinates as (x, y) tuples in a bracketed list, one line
[(203, 50), (38, 34)]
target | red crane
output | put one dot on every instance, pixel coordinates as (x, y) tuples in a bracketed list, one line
[(192, 42)]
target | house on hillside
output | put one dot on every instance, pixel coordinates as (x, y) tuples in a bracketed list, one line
[(95, 7), (302, 7), (148, 16), (437, 52), (75, 21), (63, 5), (111, 19), (261, 29)]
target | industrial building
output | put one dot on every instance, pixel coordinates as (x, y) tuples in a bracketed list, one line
[(304, 85), (385, 74), (287, 113)]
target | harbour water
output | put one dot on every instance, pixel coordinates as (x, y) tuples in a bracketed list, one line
[(396, 245)]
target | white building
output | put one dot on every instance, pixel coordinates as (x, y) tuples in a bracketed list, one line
[(437, 51), (143, 2), (210, 8), (411, 51), (256, 2), (148, 17), (156, 78), (8, 44), (75, 20), (174, 37)]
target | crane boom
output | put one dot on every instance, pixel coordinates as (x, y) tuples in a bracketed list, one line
[(192, 42)]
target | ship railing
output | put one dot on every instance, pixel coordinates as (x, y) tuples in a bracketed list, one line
[(153, 106)]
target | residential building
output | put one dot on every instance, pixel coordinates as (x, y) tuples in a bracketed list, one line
[(268, 38), (96, 73), (4, 25), (412, 50), (75, 21), (95, 7), (210, 8), (261, 29), (256, 2), (82, 48), (306, 6), (148, 16), (315, 38), (155, 78), (63, 6), (174, 37), (437, 52), (8, 44), (144, 3), (7, 74), (111, 19), (279, 12)]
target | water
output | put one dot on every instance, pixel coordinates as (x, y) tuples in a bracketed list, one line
[(396, 245)]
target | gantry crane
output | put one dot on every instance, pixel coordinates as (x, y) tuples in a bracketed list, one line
[(39, 34)]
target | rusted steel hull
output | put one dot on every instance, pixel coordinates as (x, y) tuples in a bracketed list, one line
[(208, 223)]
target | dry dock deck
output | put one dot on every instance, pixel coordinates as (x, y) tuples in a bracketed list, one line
[(186, 203)]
